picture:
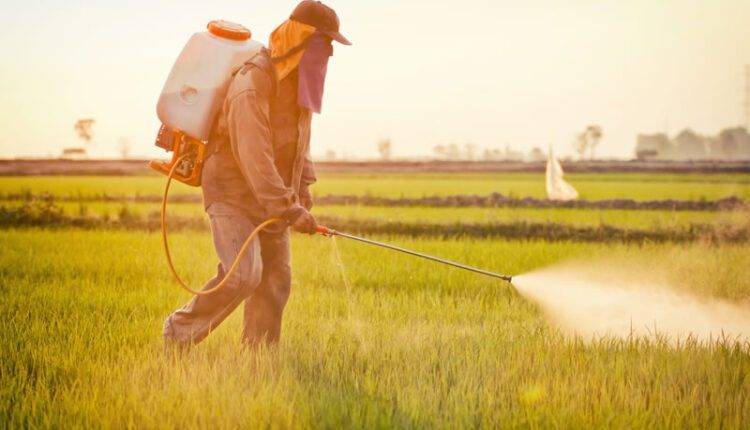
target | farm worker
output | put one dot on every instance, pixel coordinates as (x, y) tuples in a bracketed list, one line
[(259, 167)]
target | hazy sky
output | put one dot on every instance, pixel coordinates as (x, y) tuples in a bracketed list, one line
[(422, 73)]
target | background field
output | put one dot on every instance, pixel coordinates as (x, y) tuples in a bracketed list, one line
[(379, 341), (597, 186), (586, 217)]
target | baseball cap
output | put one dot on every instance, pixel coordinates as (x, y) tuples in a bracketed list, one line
[(320, 16)]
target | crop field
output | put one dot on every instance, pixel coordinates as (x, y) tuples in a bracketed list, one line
[(375, 339), (639, 186), (614, 217)]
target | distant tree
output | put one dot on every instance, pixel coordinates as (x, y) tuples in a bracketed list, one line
[(511, 154), (689, 145), (653, 147), (330, 155), (124, 147), (83, 129), (452, 152), (587, 141), (726, 144), (732, 143), (470, 150), (74, 153), (581, 144), (537, 155), (439, 151), (594, 134), (384, 148), (492, 154)]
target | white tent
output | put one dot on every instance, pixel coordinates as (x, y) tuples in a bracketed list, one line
[(557, 188)]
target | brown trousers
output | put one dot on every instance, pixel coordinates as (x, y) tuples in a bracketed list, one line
[(263, 281)]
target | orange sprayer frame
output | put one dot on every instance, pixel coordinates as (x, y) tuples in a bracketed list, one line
[(189, 153)]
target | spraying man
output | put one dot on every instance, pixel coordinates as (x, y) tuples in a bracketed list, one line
[(259, 168)]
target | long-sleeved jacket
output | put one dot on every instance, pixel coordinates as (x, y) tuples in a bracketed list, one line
[(260, 146)]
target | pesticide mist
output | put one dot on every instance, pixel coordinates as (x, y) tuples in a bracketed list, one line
[(609, 302)]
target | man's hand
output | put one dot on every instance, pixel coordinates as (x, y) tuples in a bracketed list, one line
[(305, 223)]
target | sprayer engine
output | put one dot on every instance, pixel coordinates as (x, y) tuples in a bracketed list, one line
[(188, 155)]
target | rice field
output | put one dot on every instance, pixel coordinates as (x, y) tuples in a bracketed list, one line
[(596, 186), (631, 219), (378, 340)]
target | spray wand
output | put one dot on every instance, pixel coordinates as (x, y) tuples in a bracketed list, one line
[(329, 232)]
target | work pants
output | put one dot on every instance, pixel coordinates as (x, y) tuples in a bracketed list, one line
[(262, 280)]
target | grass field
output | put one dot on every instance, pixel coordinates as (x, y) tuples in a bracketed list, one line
[(381, 340), (597, 186), (407, 344)]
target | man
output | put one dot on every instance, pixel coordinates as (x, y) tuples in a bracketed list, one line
[(259, 168)]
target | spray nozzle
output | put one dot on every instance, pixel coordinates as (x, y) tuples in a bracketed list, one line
[(325, 231)]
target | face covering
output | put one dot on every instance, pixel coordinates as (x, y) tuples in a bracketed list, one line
[(285, 43), (312, 72)]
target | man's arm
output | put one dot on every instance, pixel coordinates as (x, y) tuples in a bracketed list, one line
[(308, 178), (252, 147)]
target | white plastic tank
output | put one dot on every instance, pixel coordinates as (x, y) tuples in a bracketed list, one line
[(197, 84)]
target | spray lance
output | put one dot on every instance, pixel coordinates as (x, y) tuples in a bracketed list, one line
[(325, 231)]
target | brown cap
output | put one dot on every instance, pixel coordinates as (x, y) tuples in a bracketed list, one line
[(321, 17)]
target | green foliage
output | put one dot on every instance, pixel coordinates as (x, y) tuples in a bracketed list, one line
[(33, 212)]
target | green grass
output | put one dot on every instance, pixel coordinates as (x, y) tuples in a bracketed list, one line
[(403, 343), (636, 219), (594, 186), (406, 344), (89, 186), (590, 186), (632, 219)]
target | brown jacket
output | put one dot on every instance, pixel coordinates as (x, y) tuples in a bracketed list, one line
[(260, 146)]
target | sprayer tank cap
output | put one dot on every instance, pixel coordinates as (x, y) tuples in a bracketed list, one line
[(228, 30)]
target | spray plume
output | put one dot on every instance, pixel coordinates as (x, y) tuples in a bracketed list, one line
[(608, 302)]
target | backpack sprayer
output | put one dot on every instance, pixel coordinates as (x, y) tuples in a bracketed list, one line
[(193, 94), (189, 102)]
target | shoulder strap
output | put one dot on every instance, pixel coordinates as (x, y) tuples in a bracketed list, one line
[(261, 61)]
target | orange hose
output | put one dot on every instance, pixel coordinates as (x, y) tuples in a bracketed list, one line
[(235, 265)]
